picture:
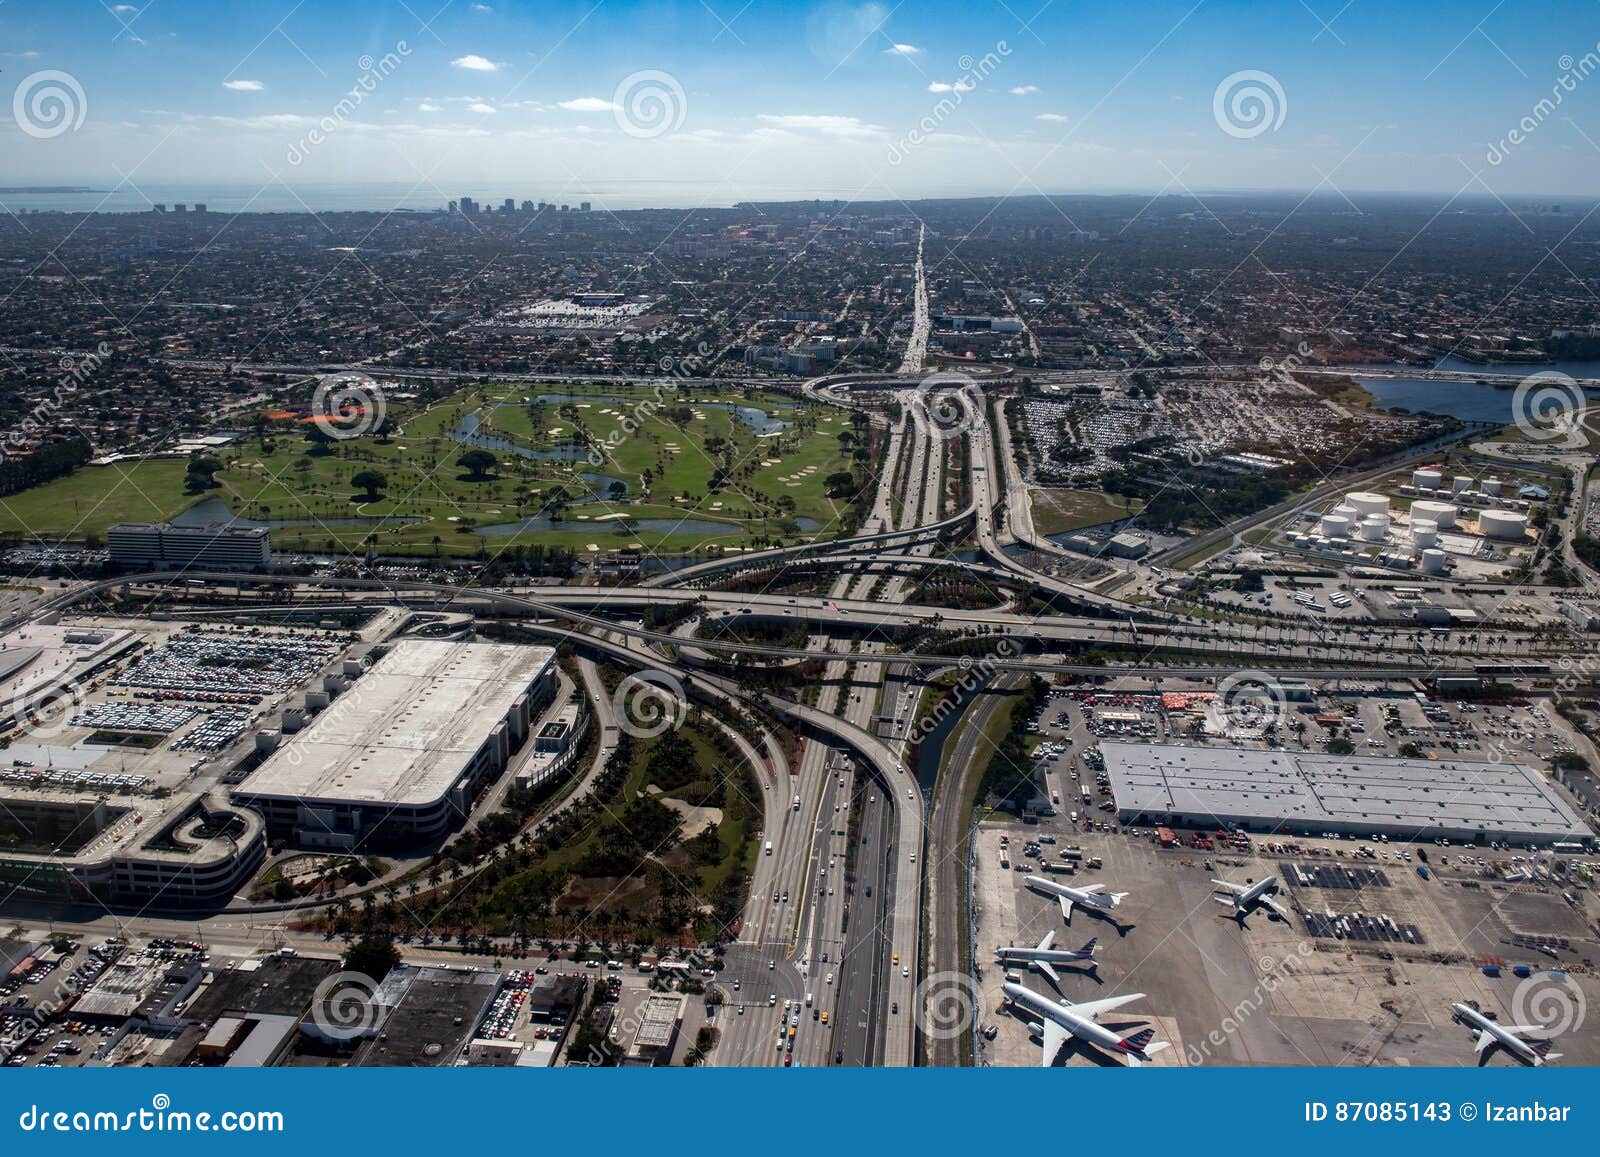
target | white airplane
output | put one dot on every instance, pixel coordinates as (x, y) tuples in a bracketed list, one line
[(1043, 957), (1060, 1021), (1507, 1036), (1246, 898), (1094, 896)]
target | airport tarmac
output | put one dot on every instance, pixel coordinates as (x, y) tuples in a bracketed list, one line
[(1264, 991)]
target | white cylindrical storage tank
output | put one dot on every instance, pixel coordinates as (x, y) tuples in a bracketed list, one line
[(1424, 532), (1433, 561), (1426, 479), (1503, 524), (1459, 483), (1375, 527), (1491, 486), (1440, 513), (1345, 510), (1335, 526), (1365, 502)]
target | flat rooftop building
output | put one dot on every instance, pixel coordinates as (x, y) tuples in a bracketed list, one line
[(398, 758), (160, 545), (1297, 793)]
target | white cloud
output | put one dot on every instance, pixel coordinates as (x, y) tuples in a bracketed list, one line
[(472, 62), (244, 85), (483, 9), (429, 106), (958, 86), (1053, 117), (28, 54), (587, 104), (124, 9), (902, 50), (1025, 90), (480, 108), (833, 126)]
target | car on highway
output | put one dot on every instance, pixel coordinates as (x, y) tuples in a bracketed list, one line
[(830, 978)]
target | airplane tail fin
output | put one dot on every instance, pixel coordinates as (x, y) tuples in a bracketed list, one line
[(1119, 897), (1136, 1042), (1542, 1048), (1088, 949), (1139, 1047)]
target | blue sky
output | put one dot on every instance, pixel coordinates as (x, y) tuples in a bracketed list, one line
[(835, 99)]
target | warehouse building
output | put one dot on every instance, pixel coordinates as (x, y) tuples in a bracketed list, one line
[(1308, 794), (162, 546), (397, 760)]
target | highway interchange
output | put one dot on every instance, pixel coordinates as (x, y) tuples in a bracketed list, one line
[(840, 920)]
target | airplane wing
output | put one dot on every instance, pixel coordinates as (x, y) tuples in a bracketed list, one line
[(1525, 1029), (1066, 909), (1235, 889), (1093, 1008), (1485, 1040), (1049, 939), (1275, 906), (1093, 888), (1054, 1037), (1044, 966)]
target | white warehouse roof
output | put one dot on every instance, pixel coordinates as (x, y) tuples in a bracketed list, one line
[(407, 729), (1307, 792)]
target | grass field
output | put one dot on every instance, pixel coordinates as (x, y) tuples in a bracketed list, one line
[(595, 469), (87, 502), (1058, 511)]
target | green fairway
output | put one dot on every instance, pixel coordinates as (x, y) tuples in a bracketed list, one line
[(590, 469), (85, 503)]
